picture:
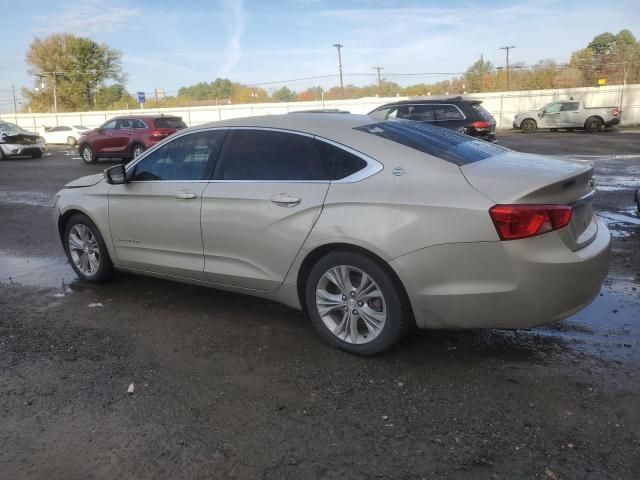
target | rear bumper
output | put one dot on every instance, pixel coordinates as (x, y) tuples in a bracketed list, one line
[(612, 122), (516, 284)]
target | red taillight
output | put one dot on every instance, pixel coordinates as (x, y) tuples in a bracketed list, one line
[(616, 112), (522, 221), (160, 133), (481, 125)]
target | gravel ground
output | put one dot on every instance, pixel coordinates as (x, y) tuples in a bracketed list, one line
[(228, 386)]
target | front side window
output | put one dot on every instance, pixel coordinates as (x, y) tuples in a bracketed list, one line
[(263, 155), (189, 157), (553, 108), (109, 125), (125, 124)]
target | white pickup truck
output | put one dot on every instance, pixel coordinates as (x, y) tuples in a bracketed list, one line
[(567, 115)]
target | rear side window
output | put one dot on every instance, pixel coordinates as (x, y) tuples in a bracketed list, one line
[(169, 122), (483, 112), (339, 162), (440, 142), (185, 158), (570, 107), (270, 155), (447, 112)]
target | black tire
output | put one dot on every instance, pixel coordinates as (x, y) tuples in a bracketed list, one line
[(2, 155), (36, 155), (593, 124), (528, 125), (570, 130), (136, 150), (553, 129), (71, 141), (104, 271), (87, 154), (399, 321)]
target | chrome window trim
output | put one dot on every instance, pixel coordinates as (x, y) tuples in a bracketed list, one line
[(372, 167), (464, 117)]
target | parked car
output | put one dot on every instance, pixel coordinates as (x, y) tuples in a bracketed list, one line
[(64, 134), (370, 227), (460, 114), (127, 136), (568, 115), (15, 142)]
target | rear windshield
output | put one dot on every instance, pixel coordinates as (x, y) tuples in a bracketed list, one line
[(440, 142), (483, 112), (169, 122)]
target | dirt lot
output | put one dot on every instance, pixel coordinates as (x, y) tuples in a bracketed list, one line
[(228, 386)]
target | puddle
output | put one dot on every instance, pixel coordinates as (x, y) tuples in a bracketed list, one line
[(27, 198), (40, 272), (609, 327)]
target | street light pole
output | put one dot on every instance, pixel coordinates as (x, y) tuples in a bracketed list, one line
[(338, 47), (507, 50)]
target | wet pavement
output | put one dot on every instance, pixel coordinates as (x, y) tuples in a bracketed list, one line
[(228, 386)]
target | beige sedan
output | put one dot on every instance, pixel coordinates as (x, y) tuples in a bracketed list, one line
[(371, 227)]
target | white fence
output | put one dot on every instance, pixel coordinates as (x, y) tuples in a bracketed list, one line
[(503, 106)]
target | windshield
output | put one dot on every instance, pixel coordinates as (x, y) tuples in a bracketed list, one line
[(170, 122), (440, 142), (9, 127), (80, 127)]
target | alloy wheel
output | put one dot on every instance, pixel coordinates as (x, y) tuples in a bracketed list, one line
[(84, 250), (351, 304)]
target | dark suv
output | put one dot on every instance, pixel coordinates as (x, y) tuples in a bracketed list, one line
[(127, 137), (461, 114)]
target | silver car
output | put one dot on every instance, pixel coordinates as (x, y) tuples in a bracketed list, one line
[(371, 227)]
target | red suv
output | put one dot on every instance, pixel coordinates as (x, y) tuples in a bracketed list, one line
[(127, 137)]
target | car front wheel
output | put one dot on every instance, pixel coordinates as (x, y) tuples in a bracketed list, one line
[(529, 125), (86, 250), (355, 304), (87, 154)]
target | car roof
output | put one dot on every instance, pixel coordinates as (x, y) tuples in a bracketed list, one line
[(433, 99), (328, 125), (144, 117)]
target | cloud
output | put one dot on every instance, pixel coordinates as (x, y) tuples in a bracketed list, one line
[(88, 17), (234, 9)]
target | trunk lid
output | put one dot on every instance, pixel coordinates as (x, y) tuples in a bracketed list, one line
[(534, 179)]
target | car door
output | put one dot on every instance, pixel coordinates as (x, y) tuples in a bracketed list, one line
[(551, 116), (267, 193), (155, 217), (121, 136), (570, 114), (103, 141)]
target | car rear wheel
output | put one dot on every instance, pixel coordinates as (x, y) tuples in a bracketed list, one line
[(87, 154), (137, 150), (355, 304), (71, 141), (86, 250), (528, 125), (593, 124)]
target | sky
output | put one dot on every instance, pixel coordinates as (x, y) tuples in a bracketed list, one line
[(173, 43)]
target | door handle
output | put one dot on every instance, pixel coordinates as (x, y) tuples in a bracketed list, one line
[(184, 195), (285, 200)]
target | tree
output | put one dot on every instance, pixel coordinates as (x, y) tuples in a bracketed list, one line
[(475, 74), (283, 95), (77, 67)]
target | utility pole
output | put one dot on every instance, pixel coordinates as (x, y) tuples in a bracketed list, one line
[(338, 47), (55, 92), (15, 103), (378, 69), (507, 50)]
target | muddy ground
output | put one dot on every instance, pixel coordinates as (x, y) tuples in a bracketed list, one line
[(228, 386)]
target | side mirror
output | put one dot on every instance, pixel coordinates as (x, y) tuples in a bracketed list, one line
[(116, 175)]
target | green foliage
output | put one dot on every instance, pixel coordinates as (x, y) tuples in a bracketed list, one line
[(76, 66), (283, 95)]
